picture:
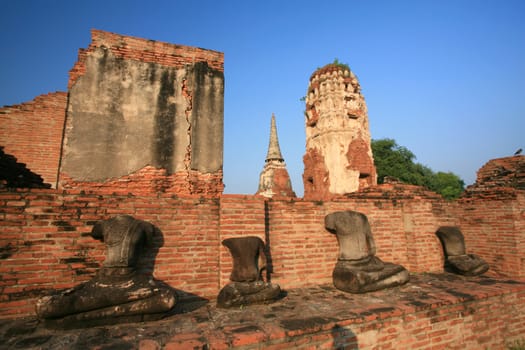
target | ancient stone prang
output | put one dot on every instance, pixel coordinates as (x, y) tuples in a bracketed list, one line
[(247, 286), (119, 292), (358, 270), (274, 179), (456, 258), (338, 158)]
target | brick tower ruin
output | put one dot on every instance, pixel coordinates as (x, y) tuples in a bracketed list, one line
[(338, 156), (274, 179)]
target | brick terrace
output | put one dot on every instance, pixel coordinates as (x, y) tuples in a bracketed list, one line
[(432, 311), (45, 242)]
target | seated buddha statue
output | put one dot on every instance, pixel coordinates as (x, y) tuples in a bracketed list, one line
[(118, 291), (456, 258), (358, 270), (247, 285)]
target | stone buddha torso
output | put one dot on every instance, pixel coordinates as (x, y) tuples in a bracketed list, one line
[(358, 270), (124, 237), (353, 235)]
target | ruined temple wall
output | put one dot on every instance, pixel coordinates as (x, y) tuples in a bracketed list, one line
[(304, 253), (46, 245), (136, 103), (32, 132), (45, 242), (132, 105), (495, 230), (240, 216), (149, 51)]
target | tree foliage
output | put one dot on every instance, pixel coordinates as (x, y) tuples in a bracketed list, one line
[(399, 162)]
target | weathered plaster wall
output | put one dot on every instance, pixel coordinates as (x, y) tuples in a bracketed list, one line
[(32, 132), (136, 103)]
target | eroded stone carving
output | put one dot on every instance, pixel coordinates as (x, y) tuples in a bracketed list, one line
[(358, 270), (247, 286), (456, 258), (119, 292)]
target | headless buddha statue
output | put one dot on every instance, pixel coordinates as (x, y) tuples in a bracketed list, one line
[(247, 286), (358, 270), (118, 291), (456, 258)]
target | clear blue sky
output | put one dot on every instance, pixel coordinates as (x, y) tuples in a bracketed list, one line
[(446, 79)]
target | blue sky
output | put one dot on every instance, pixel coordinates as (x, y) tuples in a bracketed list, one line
[(446, 79)]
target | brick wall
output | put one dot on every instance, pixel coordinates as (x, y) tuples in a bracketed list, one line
[(240, 216), (32, 132), (490, 323), (151, 181), (45, 242), (492, 217), (145, 50), (500, 172), (494, 230)]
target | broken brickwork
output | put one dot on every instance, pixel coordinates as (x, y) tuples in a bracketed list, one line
[(32, 132), (508, 172), (16, 175)]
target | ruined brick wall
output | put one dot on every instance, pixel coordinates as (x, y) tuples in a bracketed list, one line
[(501, 172), (137, 103), (45, 242), (151, 181), (490, 323), (14, 174), (132, 104), (494, 230), (492, 217), (32, 132), (148, 51), (338, 156), (240, 216)]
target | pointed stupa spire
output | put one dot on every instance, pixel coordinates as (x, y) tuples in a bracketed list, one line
[(274, 179), (274, 151)]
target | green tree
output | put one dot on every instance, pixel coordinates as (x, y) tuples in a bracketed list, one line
[(399, 162), (449, 185)]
